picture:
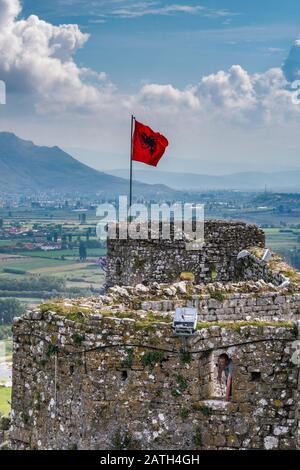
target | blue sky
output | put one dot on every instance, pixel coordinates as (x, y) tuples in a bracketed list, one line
[(176, 46), (214, 76)]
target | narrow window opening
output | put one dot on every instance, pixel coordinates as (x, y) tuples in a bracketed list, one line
[(124, 375), (221, 376), (118, 268), (255, 376)]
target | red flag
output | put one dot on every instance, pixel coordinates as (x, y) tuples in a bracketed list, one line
[(148, 146)]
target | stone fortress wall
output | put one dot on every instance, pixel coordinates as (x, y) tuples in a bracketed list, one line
[(114, 383), (107, 372)]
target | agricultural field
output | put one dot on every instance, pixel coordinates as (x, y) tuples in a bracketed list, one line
[(5, 376), (63, 225), (278, 238), (6, 350), (286, 242), (64, 253), (261, 218), (5, 398), (83, 275), (33, 264), (24, 274), (9, 242)]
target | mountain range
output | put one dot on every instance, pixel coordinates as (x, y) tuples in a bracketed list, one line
[(27, 168), (247, 181)]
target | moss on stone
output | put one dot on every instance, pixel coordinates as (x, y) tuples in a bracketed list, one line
[(217, 295), (187, 276), (184, 413), (47, 307), (256, 251), (73, 313), (292, 275), (52, 349), (76, 316), (24, 416), (145, 321), (276, 263), (204, 409), (213, 271), (157, 317), (73, 446), (150, 358), (122, 441), (182, 382), (239, 324), (185, 357), (139, 263), (107, 313), (78, 338), (148, 320), (144, 325), (197, 438)]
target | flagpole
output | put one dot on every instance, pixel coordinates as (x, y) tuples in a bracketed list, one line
[(131, 151)]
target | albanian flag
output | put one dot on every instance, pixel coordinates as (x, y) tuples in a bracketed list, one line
[(148, 146)]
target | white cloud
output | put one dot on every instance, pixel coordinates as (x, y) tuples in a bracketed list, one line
[(229, 90), (166, 96), (153, 8), (36, 58), (102, 9), (9, 10), (140, 9), (235, 97), (217, 114)]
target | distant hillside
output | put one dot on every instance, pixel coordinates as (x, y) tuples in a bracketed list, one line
[(27, 168), (253, 181)]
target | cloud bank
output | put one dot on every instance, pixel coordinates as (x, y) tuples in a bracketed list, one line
[(37, 61)]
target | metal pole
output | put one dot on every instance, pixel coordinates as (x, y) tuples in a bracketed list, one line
[(55, 381), (131, 152)]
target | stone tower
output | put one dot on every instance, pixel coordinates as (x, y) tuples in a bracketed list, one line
[(108, 372), (132, 262)]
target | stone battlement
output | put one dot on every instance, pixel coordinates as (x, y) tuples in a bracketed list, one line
[(131, 262), (85, 380)]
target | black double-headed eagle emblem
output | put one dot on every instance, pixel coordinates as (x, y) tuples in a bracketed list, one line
[(148, 142)]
